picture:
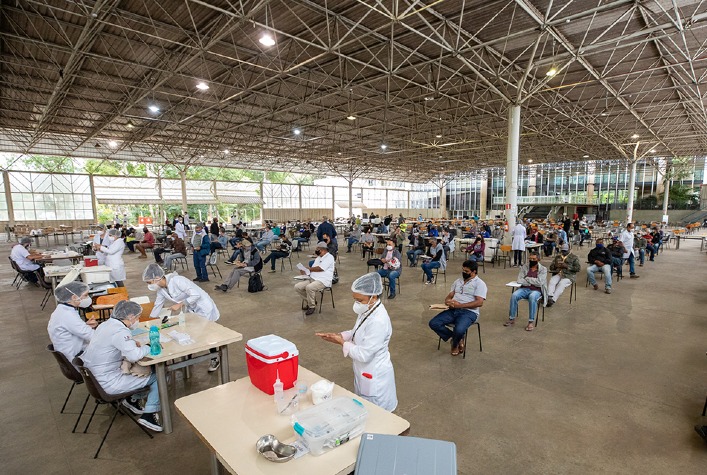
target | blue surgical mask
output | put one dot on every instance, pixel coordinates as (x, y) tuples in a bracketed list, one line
[(600, 245)]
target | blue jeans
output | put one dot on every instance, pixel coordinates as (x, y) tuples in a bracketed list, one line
[(234, 240), (275, 255), (235, 255), (631, 261), (606, 269), (351, 241), (641, 256), (391, 275), (474, 258), (462, 318), (525, 293), (412, 256), (651, 251), (261, 245), (427, 269), (200, 266), (153, 396), (618, 264)]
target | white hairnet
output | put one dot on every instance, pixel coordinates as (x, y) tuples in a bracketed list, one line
[(64, 293), (125, 309), (152, 272), (114, 232), (368, 284), (25, 240)]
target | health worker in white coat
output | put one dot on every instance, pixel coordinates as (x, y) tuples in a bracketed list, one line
[(110, 345), (114, 256), (186, 295), (100, 238), (518, 243), (367, 344), (67, 330)]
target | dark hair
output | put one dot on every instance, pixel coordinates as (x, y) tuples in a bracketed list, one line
[(471, 265), (533, 254)]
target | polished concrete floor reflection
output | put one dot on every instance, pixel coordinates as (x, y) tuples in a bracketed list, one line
[(609, 384)]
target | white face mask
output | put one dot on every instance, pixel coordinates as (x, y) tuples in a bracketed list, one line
[(153, 287), (86, 302), (359, 308), (390, 248)]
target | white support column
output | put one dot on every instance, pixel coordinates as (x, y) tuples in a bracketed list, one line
[(350, 197), (666, 198), (512, 168), (262, 206), (333, 204), (183, 176), (299, 186), (443, 201), (8, 199), (631, 191), (483, 196), (94, 207)]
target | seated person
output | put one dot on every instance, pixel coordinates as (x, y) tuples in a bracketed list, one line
[(304, 235), (433, 232), (418, 248), (179, 249), (166, 247), (24, 258), (266, 238), (564, 268), (438, 259), (535, 236), (475, 252), (533, 279), (148, 242), (464, 301), (332, 245), (641, 244), (67, 330), (353, 238), (584, 235), (549, 243), (600, 259), (617, 250), (112, 343), (321, 274), (391, 269), (221, 241), (251, 262), (283, 250), (368, 242)]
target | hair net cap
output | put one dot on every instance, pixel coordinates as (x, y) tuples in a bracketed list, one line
[(125, 309), (25, 240), (101, 226), (368, 284), (64, 293), (152, 272), (114, 232)]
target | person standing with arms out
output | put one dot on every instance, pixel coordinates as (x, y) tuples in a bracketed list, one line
[(518, 235), (466, 297), (367, 344)]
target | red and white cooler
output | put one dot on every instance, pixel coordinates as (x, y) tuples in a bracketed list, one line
[(90, 261), (270, 355)]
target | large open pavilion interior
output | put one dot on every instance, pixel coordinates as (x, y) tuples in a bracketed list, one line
[(515, 120)]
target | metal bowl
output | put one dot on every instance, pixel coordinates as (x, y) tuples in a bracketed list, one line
[(272, 449)]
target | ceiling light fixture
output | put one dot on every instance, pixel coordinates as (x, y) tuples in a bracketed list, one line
[(384, 146), (267, 40), (585, 156), (338, 153), (551, 72), (112, 143), (604, 114), (154, 109), (653, 150), (351, 117), (129, 125), (297, 131), (429, 98), (227, 151), (439, 136), (635, 136), (202, 86)]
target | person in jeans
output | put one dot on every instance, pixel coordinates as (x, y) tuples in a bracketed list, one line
[(391, 269), (438, 261), (627, 240), (418, 248), (368, 242), (616, 248), (463, 301), (252, 262), (201, 243), (600, 260), (533, 280), (353, 237), (283, 250), (476, 251), (179, 249)]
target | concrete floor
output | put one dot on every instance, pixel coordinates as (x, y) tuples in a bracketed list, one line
[(611, 384)]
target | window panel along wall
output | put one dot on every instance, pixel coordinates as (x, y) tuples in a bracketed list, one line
[(45, 196)]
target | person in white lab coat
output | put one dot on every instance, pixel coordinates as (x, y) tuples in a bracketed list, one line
[(110, 345), (626, 238), (186, 295), (367, 344), (114, 256), (98, 239), (179, 228), (518, 243), (67, 331)]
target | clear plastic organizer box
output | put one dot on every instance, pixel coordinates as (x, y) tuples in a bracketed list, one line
[(330, 424)]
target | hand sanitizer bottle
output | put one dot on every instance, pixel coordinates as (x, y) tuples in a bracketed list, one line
[(279, 393)]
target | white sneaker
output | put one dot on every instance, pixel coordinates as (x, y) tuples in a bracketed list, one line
[(215, 363)]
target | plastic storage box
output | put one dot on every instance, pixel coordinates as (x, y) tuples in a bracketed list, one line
[(268, 356), (90, 261), (381, 454), (330, 424)]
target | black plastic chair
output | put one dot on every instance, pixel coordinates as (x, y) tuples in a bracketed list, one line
[(47, 286), (73, 375), (466, 335), (213, 263), (101, 397), (321, 298)]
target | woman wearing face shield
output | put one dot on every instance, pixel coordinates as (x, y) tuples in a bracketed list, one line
[(114, 256), (367, 344), (67, 331)]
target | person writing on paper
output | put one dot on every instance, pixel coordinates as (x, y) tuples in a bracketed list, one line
[(24, 258), (110, 345), (463, 303), (114, 256), (67, 331), (367, 344), (392, 269), (532, 278), (186, 297), (321, 274)]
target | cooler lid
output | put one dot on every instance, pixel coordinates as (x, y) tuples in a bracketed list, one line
[(272, 346)]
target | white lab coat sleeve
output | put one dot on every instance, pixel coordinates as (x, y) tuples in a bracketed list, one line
[(110, 250), (191, 291), (123, 341), (78, 327), (346, 335), (366, 350), (159, 303)]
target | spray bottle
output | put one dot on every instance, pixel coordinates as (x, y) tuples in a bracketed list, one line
[(278, 393)]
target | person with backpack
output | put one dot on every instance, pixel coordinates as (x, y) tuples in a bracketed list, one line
[(251, 263)]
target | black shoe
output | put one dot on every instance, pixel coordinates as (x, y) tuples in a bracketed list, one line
[(634, 276), (702, 431), (391, 296), (197, 279), (550, 302), (309, 311), (222, 287), (151, 420), (134, 406)]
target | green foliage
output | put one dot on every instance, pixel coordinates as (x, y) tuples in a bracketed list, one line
[(48, 163), (647, 202), (683, 197)]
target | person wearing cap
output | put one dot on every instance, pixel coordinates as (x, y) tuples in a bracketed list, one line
[(251, 262), (202, 246), (321, 274), (67, 330), (114, 256), (626, 239), (101, 238), (600, 260), (564, 268), (112, 343), (24, 258), (367, 344), (466, 297), (532, 278), (325, 227), (617, 250)]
